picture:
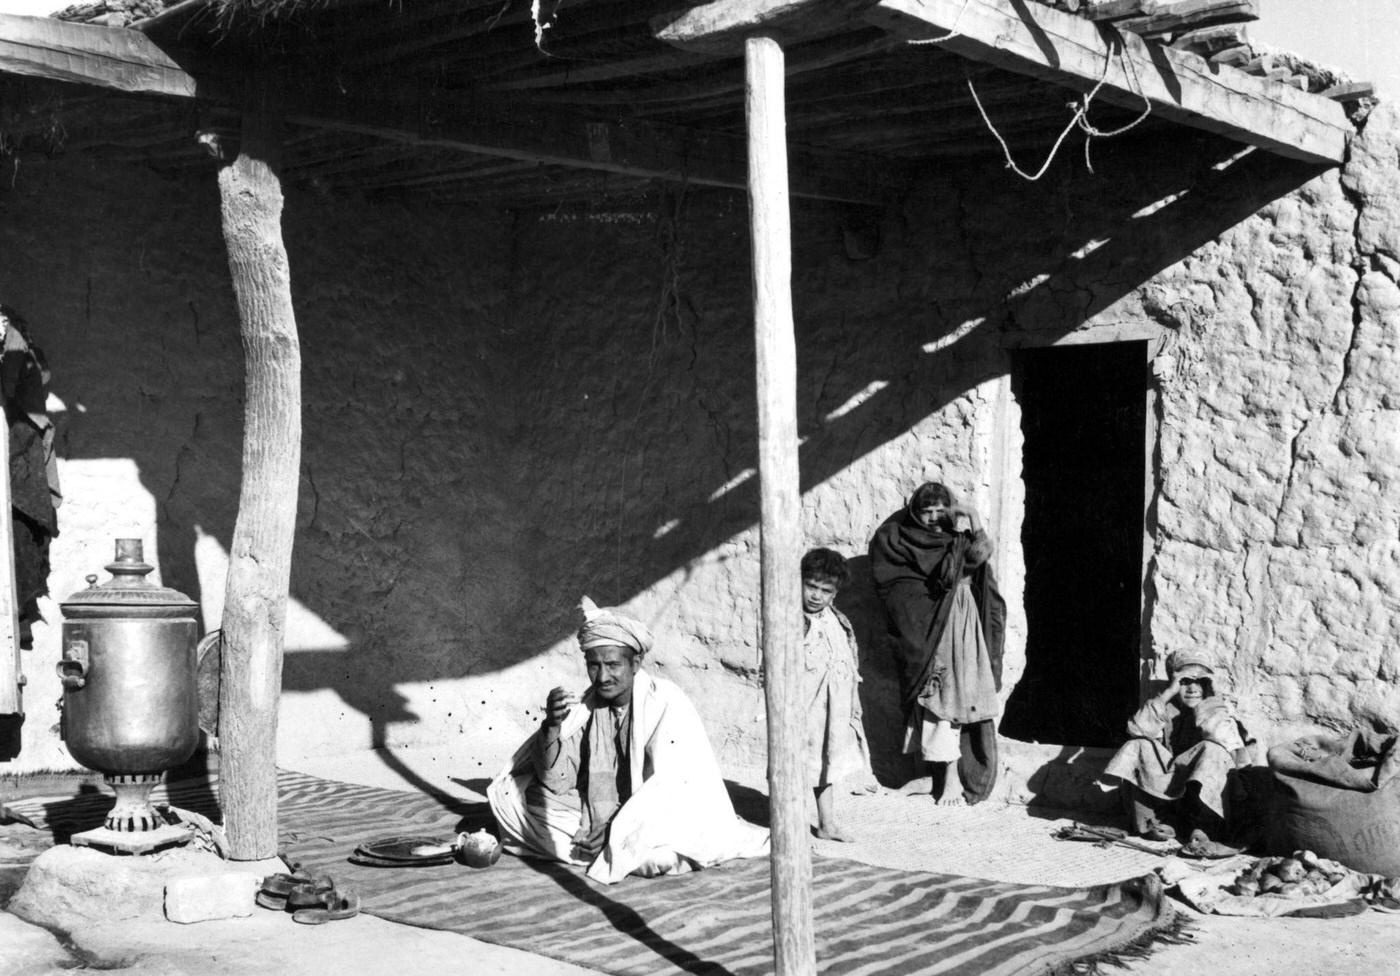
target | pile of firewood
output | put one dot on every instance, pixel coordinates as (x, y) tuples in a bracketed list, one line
[(1214, 30)]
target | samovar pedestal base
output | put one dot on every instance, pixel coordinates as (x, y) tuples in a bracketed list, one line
[(131, 841), (133, 825)]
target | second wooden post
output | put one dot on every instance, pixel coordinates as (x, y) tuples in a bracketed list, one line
[(780, 499), (260, 558)]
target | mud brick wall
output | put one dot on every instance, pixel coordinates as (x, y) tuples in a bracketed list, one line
[(1279, 503), (507, 411)]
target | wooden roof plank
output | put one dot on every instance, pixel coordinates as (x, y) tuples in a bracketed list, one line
[(1118, 9), (1058, 47), (630, 148), (120, 60), (1191, 13), (127, 61)]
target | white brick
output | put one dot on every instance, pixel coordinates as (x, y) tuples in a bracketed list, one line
[(203, 898)]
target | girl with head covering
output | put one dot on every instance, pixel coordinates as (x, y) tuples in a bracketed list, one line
[(933, 572)]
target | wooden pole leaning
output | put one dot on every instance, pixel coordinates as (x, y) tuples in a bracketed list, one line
[(260, 559), (779, 519)]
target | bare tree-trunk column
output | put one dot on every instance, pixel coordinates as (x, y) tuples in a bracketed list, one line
[(780, 498), (260, 560), (11, 668)]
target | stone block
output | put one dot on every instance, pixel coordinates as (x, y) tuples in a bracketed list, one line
[(68, 884), (206, 897), (66, 887)]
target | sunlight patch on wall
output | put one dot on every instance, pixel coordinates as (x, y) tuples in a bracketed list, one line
[(319, 723), (1089, 248), (732, 483), (963, 329), (470, 716), (104, 501), (306, 630), (871, 388), (1157, 205)]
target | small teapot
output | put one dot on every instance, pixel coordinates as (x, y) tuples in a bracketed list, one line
[(479, 849)]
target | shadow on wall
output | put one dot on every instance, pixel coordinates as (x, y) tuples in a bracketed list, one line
[(879, 690), (499, 421)]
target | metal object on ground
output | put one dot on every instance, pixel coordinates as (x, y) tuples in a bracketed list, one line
[(403, 851), (129, 700)]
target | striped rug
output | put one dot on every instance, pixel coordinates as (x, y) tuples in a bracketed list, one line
[(869, 920)]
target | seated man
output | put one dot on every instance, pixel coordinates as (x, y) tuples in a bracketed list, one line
[(624, 780), (1185, 743)]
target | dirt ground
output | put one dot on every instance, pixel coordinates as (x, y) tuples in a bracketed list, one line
[(1008, 842)]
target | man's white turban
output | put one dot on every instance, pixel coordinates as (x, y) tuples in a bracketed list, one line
[(610, 626)]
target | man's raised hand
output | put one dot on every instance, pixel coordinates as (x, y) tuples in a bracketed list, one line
[(558, 705)]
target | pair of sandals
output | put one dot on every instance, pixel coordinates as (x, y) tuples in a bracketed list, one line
[(1199, 846), (312, 901)]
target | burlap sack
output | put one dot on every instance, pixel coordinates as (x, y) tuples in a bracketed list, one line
[(1340, 798)]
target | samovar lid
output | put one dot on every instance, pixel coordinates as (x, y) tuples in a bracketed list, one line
[(128, 591)]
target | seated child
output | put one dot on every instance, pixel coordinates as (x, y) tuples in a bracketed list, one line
[(1183, 747), (835, 737)]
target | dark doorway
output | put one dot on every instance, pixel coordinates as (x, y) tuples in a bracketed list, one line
[(1083, 415)]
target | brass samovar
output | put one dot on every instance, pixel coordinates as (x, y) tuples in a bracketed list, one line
[(130, 708)]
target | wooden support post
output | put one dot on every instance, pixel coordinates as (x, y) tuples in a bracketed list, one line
[(11, 669), (259, 573), (779, 498)]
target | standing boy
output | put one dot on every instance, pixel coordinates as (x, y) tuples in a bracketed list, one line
[(835, 737)]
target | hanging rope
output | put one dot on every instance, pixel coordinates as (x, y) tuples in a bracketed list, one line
[(1006, 150), (1130, 70), (1079, 118), (670, 245), (952, 31), (1090, 131)]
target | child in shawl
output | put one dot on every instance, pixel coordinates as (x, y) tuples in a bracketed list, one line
[(836, 744), (932, 570)]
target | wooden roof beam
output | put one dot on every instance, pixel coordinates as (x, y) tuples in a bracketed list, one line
[(629, 148), (107, 57), (1061, 48), (1064, 49), (116, 59)]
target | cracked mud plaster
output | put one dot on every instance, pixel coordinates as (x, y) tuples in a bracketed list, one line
[(1279, 547)]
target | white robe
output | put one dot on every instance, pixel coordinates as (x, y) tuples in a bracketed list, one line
[(679, 812)]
